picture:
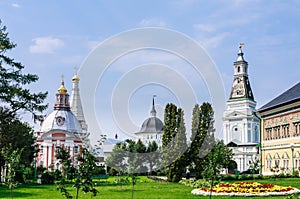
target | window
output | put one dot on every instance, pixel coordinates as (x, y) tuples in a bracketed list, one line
[(239, 69), (249, 135), (42, 149), (269, 164), (285, 163), (277, 163), (297, 163), (76, 149), (256, 134)]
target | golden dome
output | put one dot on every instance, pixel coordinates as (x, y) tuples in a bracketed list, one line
[(62, 89), (75, 78)]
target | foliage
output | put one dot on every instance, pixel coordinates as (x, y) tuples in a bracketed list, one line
[(47, 177), (153, 156), (12, 159), (17, 134), (247, 187), (83, 177), (84, 174), (195, 183), (174, 143), (201, 136), (116, 159), (144, 190), (218, 158), (12, 82), (62, 154)]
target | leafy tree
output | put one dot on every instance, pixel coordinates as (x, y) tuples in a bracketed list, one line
[(12, 159), (218, 158), (12, 82), (83, 177), (201, 136), (15, 97), (62, 154), (153, 156), (85, 172), (174, 142), (18, 135)]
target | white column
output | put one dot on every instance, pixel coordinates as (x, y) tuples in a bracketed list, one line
[(49, 154)]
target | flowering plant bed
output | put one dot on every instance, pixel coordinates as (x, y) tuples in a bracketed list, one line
[(247, 189)]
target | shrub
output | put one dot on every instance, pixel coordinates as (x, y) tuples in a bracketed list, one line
[(47, 178)]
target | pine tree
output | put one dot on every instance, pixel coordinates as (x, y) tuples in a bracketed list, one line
[(13, 95), (202, 136), (174, 143)]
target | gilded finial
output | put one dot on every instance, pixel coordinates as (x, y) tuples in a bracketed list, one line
[(62, 89), (75, 77)]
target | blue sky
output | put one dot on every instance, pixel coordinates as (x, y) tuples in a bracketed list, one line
[(55, 36)]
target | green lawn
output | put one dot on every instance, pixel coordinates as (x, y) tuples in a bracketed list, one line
[(144, 189)]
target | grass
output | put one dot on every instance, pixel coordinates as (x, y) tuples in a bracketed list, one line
[(144, 189)]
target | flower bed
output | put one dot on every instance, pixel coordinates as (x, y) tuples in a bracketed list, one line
[(247, 189)]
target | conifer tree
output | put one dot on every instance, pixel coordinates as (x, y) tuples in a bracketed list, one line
[(174, 142), (13, 95), (202, 136)]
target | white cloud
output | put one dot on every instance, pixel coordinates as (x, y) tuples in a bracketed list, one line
[(152, 22), (45, 45), (15, 5), (211, 42), (205, 27)]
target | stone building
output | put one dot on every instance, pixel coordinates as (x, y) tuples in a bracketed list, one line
[(64, 127), (280, 127)]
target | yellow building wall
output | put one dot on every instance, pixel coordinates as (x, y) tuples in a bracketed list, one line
[(280, 142)]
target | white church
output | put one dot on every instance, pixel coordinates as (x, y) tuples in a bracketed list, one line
[(65, 127), (240, 120)]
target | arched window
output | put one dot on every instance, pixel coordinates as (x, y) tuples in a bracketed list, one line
[(239, 69)]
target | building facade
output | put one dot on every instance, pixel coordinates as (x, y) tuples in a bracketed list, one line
[(62, 128), (240, 119), (152, 129), (280, 127)]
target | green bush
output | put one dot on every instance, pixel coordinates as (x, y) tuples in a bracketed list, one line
[(47, 178)]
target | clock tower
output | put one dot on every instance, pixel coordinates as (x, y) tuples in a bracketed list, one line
[(240, 119)]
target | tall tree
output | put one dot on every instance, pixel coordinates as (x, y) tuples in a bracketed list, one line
[(18, 135), (202, 136), (174, 142), (13, 80), (218, 158), (153, 156)]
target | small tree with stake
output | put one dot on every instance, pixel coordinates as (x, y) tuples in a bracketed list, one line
[(83, 176), (85, 172), (12, 159)]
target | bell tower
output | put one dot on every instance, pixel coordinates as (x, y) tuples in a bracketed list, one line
[(240, 119), (241, 86)]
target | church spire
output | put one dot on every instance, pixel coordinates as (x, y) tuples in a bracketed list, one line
[(62, 97), (240, 53), (241, 86), (75, 103), (153, 111)]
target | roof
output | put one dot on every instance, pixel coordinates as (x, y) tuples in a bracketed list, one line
[(291, 95), (61, 120), (152, 125)]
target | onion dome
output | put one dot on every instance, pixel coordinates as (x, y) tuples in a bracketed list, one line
[(62, 89), (75, 78)]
